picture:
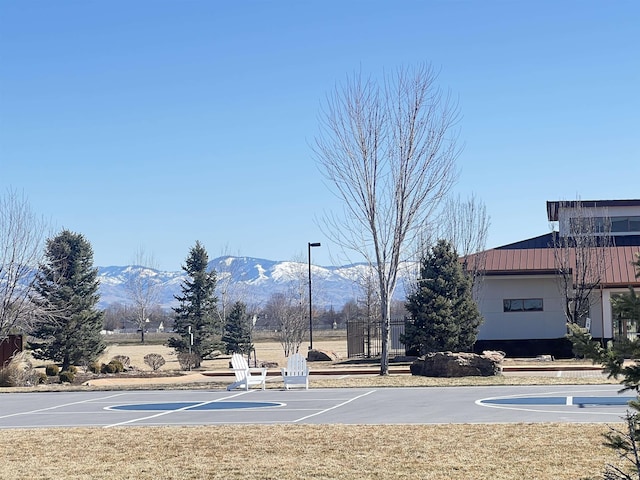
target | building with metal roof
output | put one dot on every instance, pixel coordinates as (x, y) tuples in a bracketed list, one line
[(521, 296)]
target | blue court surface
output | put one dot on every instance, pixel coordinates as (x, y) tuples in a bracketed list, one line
[(503, 404), (580, 401)]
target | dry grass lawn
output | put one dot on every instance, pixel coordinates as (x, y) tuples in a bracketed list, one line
[(287, 452)]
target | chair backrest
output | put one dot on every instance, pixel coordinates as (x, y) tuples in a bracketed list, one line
[(296, 365), (239, 365)]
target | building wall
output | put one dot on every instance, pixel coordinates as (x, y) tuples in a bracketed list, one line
[(500, 325), (597, 325), (565, 214)]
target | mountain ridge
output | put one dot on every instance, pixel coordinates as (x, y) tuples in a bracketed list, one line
[(252, 280)]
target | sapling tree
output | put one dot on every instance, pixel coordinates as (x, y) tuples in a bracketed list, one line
[(237, 330)]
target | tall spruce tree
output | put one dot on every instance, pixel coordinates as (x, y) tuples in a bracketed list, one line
[(68, 283), (443, 315), (196, 314), (237, 330)]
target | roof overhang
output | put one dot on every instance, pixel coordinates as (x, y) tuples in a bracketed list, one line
[(553, 207)]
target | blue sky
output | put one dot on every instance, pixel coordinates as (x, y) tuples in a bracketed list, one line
[(152, 124)]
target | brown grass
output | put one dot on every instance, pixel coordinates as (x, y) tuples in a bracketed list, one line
[(283, 452)]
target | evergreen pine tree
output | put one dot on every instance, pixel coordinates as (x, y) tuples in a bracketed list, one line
[(442, 313), (237, 330), (68, 283), (196, 313), (613, 358)]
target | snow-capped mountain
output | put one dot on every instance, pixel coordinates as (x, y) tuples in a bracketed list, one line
[(252, 280)]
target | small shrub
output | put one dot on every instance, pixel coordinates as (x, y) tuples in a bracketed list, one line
[(123, 359), (5, 377), (94, 367), (73, 369), (117, 366), (108, 368), (66, 376), (52, 370), (154, 360), (187, 360), (19, 372), (41, 378)]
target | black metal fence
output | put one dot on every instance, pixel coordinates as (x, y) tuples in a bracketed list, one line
[(364, 338)]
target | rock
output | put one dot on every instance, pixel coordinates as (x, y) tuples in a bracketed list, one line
[(253, 363), (449, 364), (321, 356), (266, 364), (544, 358)]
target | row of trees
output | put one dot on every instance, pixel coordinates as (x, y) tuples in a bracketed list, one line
[(66, 289)]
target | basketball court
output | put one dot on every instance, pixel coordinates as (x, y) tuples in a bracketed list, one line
[(434, 405)]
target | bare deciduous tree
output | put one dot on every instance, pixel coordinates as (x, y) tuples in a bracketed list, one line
[(287, 314), (368, 304), (466, 226), (143, 289), (389, 153), (22, 240), (580, 248)]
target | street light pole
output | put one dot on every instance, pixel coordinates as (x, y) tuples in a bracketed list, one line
[(315, 244)]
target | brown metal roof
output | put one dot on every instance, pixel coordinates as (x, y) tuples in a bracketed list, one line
[(539, 261)]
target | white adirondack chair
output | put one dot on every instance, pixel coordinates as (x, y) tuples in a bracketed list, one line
[(246, 376), (296, 372)]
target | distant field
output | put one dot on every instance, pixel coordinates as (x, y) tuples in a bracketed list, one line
[(267, 349)]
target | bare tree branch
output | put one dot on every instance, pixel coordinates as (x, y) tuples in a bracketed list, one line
[(466, 226), (581, 251), (22, 240)]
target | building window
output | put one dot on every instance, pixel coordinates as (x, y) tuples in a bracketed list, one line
[(522, 305)]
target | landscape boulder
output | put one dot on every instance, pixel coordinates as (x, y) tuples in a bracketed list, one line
[(321, 356), (450, 364)]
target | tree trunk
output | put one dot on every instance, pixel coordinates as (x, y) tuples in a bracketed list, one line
[(386, 337)]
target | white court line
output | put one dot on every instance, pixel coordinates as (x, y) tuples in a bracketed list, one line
[(176, 410), (334, 407), (60, 406)]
